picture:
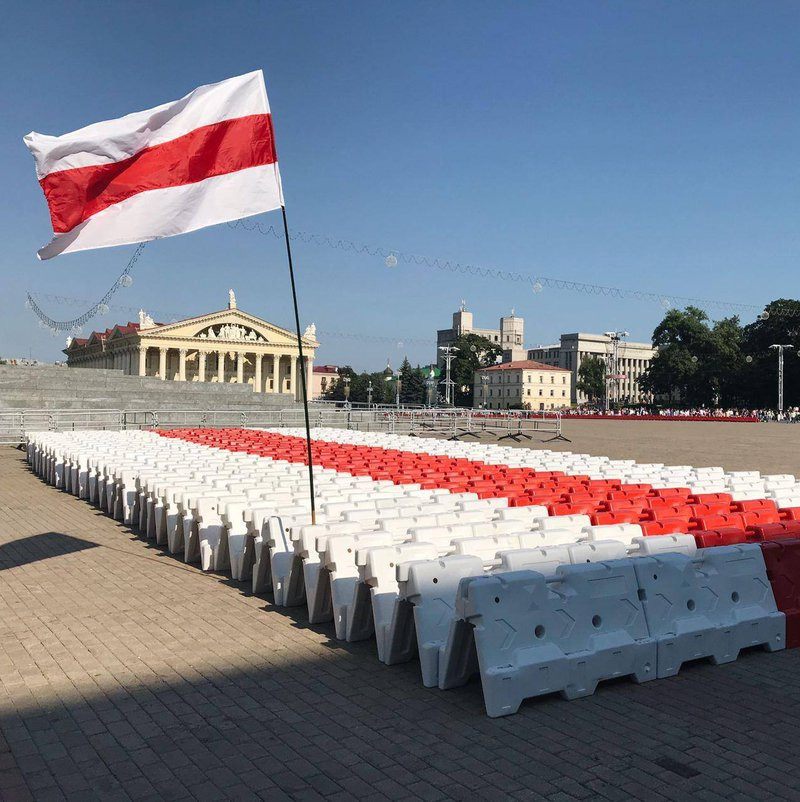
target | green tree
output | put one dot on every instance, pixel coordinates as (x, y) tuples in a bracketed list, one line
[(474, 352), (685, 365), (592, 378), (412, 388), (336, 391), (759, 375)]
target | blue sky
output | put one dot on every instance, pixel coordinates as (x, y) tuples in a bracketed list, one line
[(644, 145)]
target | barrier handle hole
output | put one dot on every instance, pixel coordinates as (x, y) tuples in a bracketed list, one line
[(734, 597), (539, 631), (497, 600), (435, 580), (690, 605), (596, 621)]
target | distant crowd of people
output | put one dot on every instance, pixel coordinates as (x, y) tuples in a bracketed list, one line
[(791, 415)]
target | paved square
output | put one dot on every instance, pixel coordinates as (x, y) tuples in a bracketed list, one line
[(125, 674)]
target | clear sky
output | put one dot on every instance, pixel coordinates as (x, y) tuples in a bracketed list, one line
[(646, 145)]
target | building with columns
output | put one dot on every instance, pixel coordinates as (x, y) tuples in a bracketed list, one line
[(633, 359), (230, 346)]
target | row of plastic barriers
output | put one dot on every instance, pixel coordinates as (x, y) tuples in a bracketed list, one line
[(405, 550)]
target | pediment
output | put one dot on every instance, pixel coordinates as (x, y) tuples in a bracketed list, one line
[(228, 325)]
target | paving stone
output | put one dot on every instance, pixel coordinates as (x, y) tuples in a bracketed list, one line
[(165, 683)]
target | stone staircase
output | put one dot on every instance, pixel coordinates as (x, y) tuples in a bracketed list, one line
[(52, 387)]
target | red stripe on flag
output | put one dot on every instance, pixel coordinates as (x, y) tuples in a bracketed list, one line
[(225, 147)]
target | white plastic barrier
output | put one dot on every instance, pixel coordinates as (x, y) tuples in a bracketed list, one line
[(375, 593), (423, 610), (528, 635), (711, 606)]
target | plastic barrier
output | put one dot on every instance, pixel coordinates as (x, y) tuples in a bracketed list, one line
[(711, 606), (782, 560), (527, 635), (423, 611), (727, 536)]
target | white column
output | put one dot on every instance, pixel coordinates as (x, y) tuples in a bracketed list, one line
[(201, 366), (257, 378), (220, 366), (162, 363), (295, 376), (239, 367), (182, 365)]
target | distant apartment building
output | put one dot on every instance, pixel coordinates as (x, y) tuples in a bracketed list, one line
[(633, 359), (510, 336), (523, 384)]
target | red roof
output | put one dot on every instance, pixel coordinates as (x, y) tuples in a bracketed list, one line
[(325, 369), (525, 364)]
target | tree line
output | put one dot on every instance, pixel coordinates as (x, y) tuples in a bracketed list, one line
[(722, 363), (698, 362), (473, 352)]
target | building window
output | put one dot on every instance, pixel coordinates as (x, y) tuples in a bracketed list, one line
[(552, 392), (541, 392), (552, 380), (563, 380)]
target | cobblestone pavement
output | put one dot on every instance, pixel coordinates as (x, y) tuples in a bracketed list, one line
[(125, 674)]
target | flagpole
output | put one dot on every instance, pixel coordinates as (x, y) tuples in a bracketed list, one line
[(302, 367)]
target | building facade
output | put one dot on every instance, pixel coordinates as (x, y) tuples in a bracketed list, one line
[(324, 377), (632, 360), (510, 336), (523, 384), (229, 346)]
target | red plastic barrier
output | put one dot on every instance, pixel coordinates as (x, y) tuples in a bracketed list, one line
[(734, 519), (776, 531), (669, 492), (789, 513), (754, 505), (727, 536), (604, 518), (571, 509), (710, 498), (759, 517), (676, 418), (782, 559), (669, 527)]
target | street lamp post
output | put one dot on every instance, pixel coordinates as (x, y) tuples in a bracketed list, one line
[(484, 385), (780, 348), (369, 393), (430, 386), (346, 382), (449, 355), (612, 366)]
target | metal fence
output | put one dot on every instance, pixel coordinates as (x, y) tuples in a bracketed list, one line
[(452, 423)]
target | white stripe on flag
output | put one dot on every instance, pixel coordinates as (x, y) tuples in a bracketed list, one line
[(115, 140)]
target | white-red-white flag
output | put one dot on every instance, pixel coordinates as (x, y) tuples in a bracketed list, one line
[(204, 159)]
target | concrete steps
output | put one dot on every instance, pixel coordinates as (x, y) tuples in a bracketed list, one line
[(52, 387)]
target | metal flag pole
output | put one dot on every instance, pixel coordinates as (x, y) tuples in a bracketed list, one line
[(302, 367)]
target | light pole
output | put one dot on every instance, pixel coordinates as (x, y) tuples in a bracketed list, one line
[(449, 355), (398, 385), (780, 348), (430, 386), (369, 393), (346, 382), (484, 385), (612, 366)]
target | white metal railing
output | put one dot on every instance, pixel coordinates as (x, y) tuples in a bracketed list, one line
[(451, 422)]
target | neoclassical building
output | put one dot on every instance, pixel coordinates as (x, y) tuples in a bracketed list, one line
[(227, 346)]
